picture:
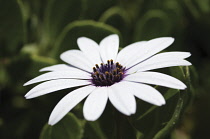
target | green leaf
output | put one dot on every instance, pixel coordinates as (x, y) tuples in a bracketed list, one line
[(154, 23), (158, 122), (28, 64), (38, 62), (17, 68), (86, 28), (58, 14), (155, 118), (173, 121), (203, 5), (92, 9), (94, 131), (12, 31), (3, 76), (192, 8), (118, 18), (169, 94), (70, 127), (183, 73)]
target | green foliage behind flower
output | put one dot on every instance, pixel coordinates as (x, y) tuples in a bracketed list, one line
[(33, 33)]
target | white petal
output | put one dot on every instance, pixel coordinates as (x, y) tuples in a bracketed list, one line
[(90, 48), (54, 85), (68, 102), (156, 79), (109, 48), (120, 95), (78, 59), (59, 67), (60, 75), (146, 93), (95, 104), (172, 55), (150, 48), (150, 65), (129, 51)]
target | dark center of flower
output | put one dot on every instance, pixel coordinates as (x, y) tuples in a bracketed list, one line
[(107, 74)]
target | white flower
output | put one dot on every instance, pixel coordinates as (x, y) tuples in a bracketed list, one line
[(102, 73)]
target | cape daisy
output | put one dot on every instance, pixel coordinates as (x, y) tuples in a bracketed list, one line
[(102, 73)]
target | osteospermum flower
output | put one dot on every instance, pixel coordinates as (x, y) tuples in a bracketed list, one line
[(104, 74)]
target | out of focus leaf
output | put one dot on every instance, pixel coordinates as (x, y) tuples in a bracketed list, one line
[(17, 68), (30, 49), (58, 15), (203, 5), (92, 9), (93, 131), (3, 76), (38, 62), (155, 23), (118, 18), (194, 77), (27, 64), (12, 32), (70, 127), (86, 28), (192, 8), (174, 13)]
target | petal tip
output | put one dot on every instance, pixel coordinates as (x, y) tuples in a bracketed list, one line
[(62, 55), (170, 39), (51, 123), (52, 120), (27, 96), (164, 102), (182, 86), (189, 64), (41, 70), (25, 84), (90, 119), (114, 36), (189, 54), (80, 39)]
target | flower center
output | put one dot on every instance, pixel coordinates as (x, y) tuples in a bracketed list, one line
[(107, 74)]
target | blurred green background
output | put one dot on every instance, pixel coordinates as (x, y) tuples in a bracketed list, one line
[(33, 33)]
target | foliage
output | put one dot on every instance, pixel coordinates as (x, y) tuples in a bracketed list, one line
[(34, 33)]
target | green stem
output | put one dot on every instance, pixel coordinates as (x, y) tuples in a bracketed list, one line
[(173, 121)]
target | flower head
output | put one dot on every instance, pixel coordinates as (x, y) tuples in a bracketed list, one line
[(102, 73)]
